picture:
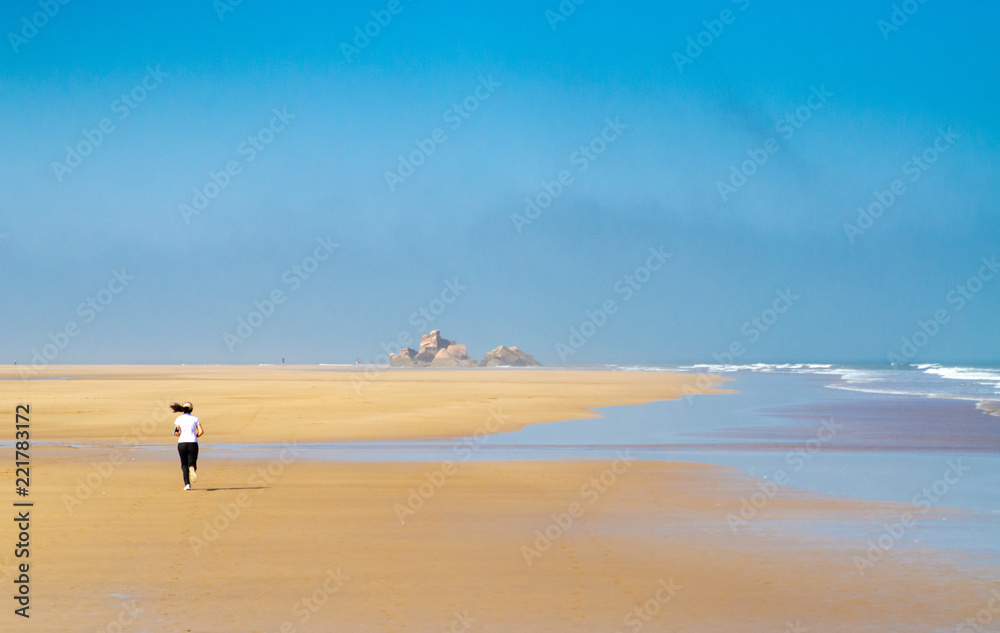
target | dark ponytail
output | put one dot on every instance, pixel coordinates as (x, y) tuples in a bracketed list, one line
[(182, 408)]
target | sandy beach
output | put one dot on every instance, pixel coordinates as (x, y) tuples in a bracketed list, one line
[(286, 543), (516, 317), (282, 404)]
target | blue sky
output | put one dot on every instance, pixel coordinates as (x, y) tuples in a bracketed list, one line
[(210, 87)]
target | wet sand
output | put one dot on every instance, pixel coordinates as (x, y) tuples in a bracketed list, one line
[(289, 544), (256, 539)]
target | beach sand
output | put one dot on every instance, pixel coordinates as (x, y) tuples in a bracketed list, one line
[(286, 544), (281, 404)]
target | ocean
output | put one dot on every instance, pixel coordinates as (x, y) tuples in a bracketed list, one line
[(927, 437)]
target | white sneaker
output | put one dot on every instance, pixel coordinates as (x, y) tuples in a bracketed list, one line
[(193, 476), (187, 487)]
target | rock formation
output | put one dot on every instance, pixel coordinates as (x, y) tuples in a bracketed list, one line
[(405, 358), (453, 356), (504, 356), (430, 345), (435, 351)]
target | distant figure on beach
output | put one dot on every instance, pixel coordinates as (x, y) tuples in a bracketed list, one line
[(357, 361), (282, 361), (188, 429)]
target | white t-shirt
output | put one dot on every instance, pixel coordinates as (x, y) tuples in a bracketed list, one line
[(189, 428)]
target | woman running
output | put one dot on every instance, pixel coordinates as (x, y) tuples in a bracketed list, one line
[(188, 429)]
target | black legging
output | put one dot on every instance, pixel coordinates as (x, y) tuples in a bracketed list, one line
[(189, 458)]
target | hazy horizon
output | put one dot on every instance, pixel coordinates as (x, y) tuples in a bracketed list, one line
[(685, 179)]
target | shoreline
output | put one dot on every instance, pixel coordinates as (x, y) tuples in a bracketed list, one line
[(271, 404), (270, 536)]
